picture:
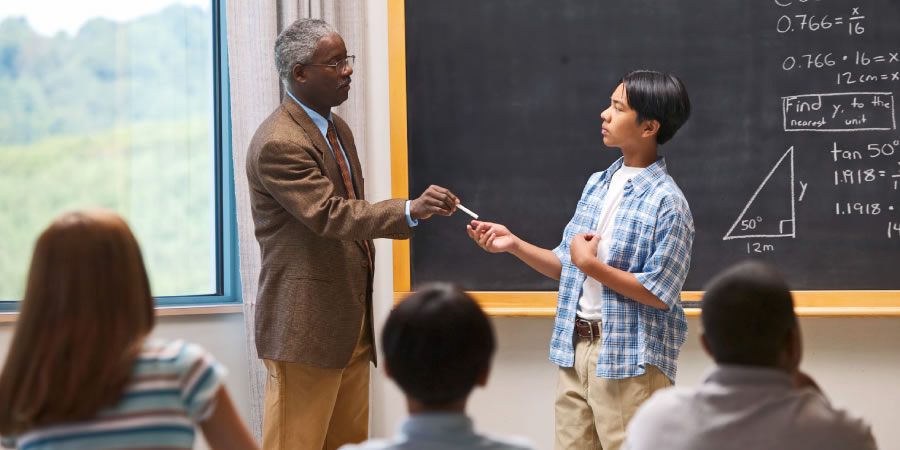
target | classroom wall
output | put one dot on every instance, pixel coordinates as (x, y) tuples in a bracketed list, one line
[(854, 360)]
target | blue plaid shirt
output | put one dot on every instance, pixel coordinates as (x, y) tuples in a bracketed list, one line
[(652, 238)]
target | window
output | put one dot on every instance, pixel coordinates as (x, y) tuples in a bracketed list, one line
[(120, 105)]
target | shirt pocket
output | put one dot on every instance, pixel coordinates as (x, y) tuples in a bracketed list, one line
[(583, 220)]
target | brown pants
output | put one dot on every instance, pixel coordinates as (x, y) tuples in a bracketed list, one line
[(593, 412), (308, 408)]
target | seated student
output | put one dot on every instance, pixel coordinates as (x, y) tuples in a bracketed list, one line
[(755, 397), (81, 371), (437, 346)]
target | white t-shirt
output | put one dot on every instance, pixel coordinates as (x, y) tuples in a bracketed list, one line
[(589, 305)]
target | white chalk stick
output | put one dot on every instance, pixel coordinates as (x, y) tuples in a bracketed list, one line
[(466, 210)]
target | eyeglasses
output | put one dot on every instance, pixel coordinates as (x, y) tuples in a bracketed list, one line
[(339, 66)]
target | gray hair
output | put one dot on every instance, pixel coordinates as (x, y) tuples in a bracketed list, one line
[(297, 43)]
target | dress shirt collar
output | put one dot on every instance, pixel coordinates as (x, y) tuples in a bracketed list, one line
[(321, 122)]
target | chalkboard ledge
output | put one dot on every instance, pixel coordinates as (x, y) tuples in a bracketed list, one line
[(807, 303)]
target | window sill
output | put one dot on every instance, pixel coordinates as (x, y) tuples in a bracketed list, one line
[(10, 317)]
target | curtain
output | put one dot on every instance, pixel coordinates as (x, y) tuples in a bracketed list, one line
[(253, 26)]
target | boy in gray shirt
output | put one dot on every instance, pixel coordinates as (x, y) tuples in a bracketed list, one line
[(755, 396)]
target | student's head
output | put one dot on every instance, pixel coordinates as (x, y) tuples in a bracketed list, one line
[(87, 307), (748, 318), (312, 62), (645, 105), (438, 345)]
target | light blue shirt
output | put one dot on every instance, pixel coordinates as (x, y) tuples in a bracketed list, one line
[(440, 431), (652, 238), (322, 124)]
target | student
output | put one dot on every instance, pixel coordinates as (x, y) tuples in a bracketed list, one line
[(81, 371), (621, 264), (438, 345), (755, 396)]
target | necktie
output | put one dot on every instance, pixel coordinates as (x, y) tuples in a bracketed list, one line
[(331, 134)]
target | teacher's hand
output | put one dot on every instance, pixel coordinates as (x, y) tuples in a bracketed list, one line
[(435, 200)]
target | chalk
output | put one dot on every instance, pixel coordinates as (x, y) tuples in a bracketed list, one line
[(466, 210)]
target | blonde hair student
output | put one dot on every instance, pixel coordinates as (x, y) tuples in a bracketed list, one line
[(81, 371)]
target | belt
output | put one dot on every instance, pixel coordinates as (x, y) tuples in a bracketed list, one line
[(587, 328)]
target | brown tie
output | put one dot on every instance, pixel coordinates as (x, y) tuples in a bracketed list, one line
[(345, 174)]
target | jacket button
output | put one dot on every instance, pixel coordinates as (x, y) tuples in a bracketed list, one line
[(362, 297), (364, 264)]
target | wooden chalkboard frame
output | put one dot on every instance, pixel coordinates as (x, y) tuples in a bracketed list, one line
[(850, 303)]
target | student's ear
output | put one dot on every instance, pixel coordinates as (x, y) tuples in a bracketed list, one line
[(795, 347), (482, 379), (791, 351), (705, 343), (649, 128)]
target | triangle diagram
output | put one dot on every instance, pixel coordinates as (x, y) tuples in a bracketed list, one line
[(770, 211)]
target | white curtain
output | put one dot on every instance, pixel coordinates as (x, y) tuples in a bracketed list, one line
[(256, 91)]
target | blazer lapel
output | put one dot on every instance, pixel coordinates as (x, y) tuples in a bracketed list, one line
[(299, 115), (315, 136)]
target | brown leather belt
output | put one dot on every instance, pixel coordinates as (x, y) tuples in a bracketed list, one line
[(587, 328)]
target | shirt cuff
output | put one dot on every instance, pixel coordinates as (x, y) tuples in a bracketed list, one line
[(409, 219)]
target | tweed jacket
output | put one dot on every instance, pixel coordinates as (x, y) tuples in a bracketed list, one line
[(315, 283)]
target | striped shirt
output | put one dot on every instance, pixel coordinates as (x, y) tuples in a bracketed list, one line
[(652, 238), (173, 387)]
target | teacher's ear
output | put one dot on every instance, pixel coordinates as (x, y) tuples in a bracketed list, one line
[(298, 74)]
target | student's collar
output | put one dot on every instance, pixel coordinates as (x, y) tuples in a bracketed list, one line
[(735, 374), (431, 423), (649, 176), (643, 180)]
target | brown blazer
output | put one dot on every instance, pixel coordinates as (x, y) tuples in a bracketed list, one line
[(315, 282)]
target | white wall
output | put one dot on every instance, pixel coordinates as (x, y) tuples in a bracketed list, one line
[(856, 362)]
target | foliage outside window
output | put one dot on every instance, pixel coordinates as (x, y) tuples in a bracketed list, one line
[(111, 104)]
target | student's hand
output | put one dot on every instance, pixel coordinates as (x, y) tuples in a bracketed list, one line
[(435, 200), (583, 249), (492, 237)]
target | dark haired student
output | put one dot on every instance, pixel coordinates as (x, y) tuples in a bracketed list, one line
[(438, 345), (755, 396), (621, 265)]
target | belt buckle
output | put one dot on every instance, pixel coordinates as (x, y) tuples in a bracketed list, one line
[(589, 325)]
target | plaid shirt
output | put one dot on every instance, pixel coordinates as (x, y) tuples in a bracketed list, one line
[(652, 239)]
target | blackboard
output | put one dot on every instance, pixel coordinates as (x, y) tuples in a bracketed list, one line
[(792, 154)]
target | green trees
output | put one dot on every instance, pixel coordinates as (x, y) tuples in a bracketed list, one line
[(120, 116)]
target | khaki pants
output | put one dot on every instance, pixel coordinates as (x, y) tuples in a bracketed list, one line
[(593, 412), (308, 408)]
